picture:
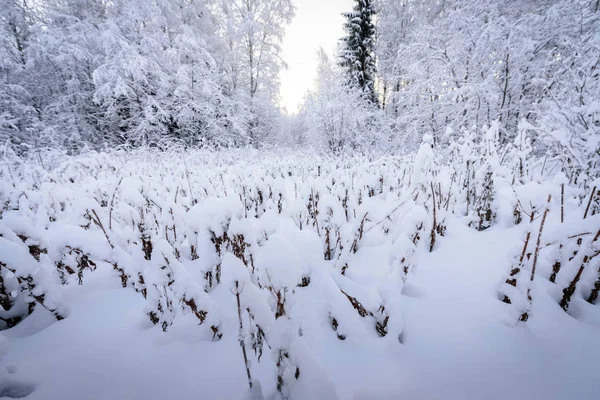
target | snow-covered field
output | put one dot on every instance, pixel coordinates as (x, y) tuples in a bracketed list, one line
[(187, 275)]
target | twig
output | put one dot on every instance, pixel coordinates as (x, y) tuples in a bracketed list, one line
[(432, 243), (539, 239), (97, 221), (525, 316), (112, 203), (570, 237), (241, 338), (562, 203), (570, 290), (589, 203)]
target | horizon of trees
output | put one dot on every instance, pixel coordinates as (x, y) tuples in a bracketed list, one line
[(451, 69), (98, 73)]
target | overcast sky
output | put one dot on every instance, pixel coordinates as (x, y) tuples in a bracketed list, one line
[(318, 23)]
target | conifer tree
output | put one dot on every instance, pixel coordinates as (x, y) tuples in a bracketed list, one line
[(358, 48)]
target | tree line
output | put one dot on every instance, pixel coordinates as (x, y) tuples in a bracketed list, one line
[(100, 73), (448, 69), (76, 73)]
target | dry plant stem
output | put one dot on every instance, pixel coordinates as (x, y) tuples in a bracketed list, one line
[(434, 221), (570, 237), (596, 288), (562, 203), (5, 302), (362, 311), (587, 209), (361, 230), (526, 244), (556, 266), (380, 326), (570, 290), (594, 293), (327, 254), (468, 187), (512, 280), (242, 342), (112, 205), (539, 239), (315, 212), (97, 221), (447, 204), (26, 285)]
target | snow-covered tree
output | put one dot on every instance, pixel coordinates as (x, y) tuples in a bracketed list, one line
[(18, 115), (253, 31), (357, 53), (571, 100), (338, 116), (78, 72), (64, 56), (466, 64)]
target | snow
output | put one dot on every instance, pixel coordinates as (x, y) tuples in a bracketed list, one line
[(455, 345), (166, 232), (381, 317)]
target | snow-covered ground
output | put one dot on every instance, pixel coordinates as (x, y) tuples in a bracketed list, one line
[(324, 262)]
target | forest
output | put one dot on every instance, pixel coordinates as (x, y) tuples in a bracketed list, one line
[(426, 225)]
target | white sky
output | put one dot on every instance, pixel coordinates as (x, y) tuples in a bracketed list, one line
[(318, 23)]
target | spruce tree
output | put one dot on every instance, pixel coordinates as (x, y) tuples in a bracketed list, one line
[(358, 48)]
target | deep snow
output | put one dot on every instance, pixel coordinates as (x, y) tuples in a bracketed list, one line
[(449, 335), (457, 343)]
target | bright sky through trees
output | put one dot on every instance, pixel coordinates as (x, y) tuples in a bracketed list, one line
[(318, 23)]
